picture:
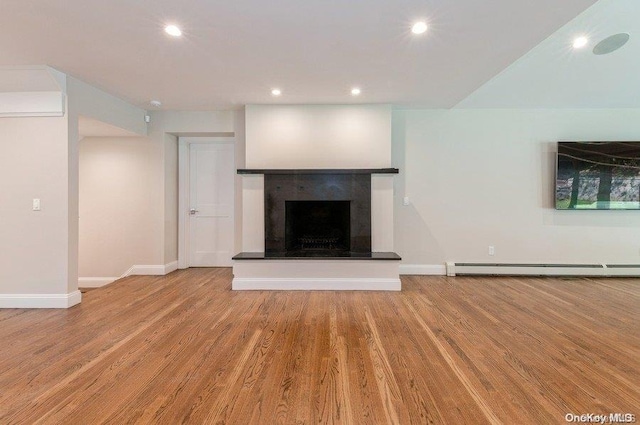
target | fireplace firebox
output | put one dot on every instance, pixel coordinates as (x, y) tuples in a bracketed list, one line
[(317, 227)]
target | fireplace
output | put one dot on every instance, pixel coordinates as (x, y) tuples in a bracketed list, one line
[(318, 231), (317, 215), (317, 228)]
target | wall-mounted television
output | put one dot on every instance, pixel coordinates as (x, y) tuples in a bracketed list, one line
[(598, 176)]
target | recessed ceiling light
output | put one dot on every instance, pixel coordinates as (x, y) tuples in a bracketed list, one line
[(580, 42), (419, 27), (355, 91), (155, 103), (276, 92), (173, 30)]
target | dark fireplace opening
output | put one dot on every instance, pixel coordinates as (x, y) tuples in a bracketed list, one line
[(317, 228)]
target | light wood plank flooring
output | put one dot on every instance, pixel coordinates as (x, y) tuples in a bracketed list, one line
[(184, 348)]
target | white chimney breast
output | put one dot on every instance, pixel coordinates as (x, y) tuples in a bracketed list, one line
[(318, 136)]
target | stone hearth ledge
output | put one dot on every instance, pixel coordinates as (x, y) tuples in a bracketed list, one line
[(370, 256), (297, 171)]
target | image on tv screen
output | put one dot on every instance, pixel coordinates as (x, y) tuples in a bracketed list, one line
[(598, 176)]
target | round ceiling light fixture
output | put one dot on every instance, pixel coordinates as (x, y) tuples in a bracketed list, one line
[(155, 103), (419, 27), (276, 92), (355, 91), (580, 42), (173, 30), (611, 44)]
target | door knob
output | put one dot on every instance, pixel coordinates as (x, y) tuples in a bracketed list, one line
[(193, 211)]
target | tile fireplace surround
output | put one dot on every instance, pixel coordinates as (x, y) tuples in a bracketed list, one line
[(318, 234)]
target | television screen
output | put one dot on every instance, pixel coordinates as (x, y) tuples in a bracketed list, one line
[(598, 176)]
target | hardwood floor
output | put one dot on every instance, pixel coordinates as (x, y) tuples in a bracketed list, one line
[(184, 348)]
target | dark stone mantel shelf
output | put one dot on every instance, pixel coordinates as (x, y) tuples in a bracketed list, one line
[(320, 171), (373, 256)]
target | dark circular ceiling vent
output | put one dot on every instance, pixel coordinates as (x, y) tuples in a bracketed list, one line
[(611, 44)]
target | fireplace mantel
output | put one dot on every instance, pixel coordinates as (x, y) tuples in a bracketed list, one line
[(319, 171)]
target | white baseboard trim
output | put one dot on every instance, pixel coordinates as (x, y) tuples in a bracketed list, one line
[(171, 267), (40, 300), (144, 270), (315, 284), (423, 269), (151, 270), (95, 282)]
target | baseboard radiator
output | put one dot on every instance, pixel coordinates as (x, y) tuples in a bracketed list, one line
[(490, 269)]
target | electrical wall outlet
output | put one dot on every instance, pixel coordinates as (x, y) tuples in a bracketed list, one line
[(36, 204), (492, 250)]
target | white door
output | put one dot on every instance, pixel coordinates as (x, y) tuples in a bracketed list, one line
[(212, 173)]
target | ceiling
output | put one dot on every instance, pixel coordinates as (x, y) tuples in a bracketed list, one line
[(233, 52), (554, 75)]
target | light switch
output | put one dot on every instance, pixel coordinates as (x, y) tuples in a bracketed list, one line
[(36, 204), (405, 201)]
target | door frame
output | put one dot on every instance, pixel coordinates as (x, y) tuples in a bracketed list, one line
[(184, 173)]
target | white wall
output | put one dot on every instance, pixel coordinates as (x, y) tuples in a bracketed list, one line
[(170, 198), (486, 177), (121, 205), (34, 244), (253, 230), (39, 262), (92, 102), (240, 159), (88, 101), (318, 136), (194, 123)]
